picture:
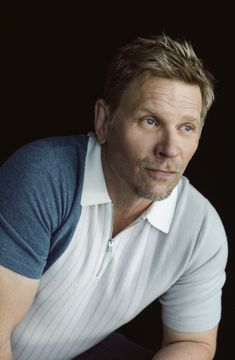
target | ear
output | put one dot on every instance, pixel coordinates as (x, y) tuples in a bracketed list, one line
[(101, 120)]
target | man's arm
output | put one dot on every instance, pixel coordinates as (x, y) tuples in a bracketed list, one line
[(16, 296), (187, 346)]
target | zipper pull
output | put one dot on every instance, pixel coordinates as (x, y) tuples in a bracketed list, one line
[(110, 243), (107, 258)]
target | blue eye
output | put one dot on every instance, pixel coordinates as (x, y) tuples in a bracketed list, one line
[(187, 128), (149, 121)]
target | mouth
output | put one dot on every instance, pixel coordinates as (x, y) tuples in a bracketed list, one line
[(159, 173)]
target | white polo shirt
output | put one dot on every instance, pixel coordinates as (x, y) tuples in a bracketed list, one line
[(175, 251)]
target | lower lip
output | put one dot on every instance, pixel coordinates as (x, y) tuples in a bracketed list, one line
[(160, 174)]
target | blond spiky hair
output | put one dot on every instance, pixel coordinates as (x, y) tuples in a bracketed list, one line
[(162, 56)]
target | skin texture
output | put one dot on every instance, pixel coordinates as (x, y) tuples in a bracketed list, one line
[(17, 293), (187, 346), (147, 144)]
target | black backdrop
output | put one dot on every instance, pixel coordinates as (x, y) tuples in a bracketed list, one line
[(53, 59)]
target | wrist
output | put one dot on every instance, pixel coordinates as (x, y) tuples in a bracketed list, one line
[(184, 351), (5, 349)]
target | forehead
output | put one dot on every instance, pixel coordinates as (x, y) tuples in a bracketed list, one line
[(161, 93)]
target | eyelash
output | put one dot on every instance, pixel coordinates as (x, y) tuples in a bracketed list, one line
[(149, 118), (154, 122), (189, 126)]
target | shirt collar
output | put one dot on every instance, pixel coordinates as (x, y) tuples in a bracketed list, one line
[(159, 214), (94, 185)]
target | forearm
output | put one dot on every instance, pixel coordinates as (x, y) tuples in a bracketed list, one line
[(16, 296), (184, 351), (5, 349)]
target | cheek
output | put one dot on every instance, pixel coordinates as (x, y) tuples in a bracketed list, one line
[(121, 150), (130, 144), (139, 144), (190, 151)]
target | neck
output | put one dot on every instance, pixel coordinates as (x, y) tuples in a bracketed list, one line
[(122, 219), (123, 197), (127, 205)]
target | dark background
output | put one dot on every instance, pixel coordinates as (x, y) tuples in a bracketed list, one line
[(54, 57)]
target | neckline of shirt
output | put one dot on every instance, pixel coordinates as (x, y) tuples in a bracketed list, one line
[(159, 214)]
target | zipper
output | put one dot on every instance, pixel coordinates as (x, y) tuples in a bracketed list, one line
[(108, 252), (109, 249), (110, 244), (106, 259)]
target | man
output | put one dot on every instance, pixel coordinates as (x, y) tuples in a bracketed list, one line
[(94, 228)]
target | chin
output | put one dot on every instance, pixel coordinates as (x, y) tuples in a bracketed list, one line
[(147, 193)]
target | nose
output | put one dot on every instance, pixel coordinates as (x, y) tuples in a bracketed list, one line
[(168, 144)]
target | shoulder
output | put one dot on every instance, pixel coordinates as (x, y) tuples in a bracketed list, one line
[(194, 202), (46, 174), (40, 189), (188, 194), (51, 148), (200, 217), (45, 157)]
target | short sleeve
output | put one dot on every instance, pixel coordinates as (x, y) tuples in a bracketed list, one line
[(193, 303), (33, 203)]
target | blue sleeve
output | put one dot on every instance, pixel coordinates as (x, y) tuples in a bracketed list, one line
[(39, 186)]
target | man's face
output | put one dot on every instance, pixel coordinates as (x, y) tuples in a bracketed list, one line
[(152, 137)]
